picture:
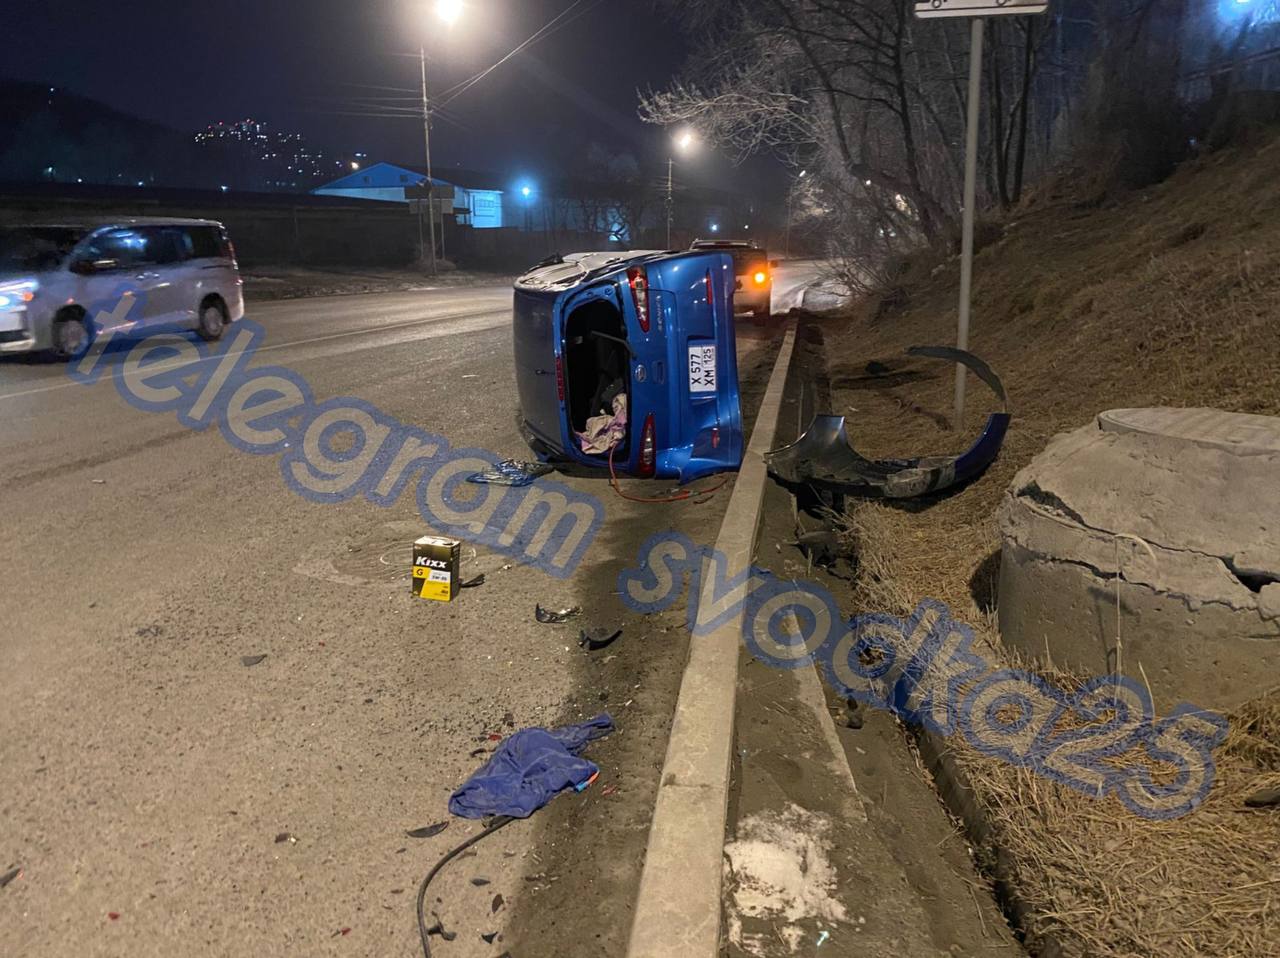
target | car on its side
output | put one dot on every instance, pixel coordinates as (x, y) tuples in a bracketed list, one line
[(654, 328), (753, 274), (63, 284)]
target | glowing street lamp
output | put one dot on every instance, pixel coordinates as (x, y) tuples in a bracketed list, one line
[(447, 12)]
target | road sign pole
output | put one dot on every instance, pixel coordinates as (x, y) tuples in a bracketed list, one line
[(970, 206)]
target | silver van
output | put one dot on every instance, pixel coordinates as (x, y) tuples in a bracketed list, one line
[(62, 285)]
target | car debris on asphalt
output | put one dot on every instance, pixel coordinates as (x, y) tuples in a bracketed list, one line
[(593, 640), (430, 831), (512, 472), (249, 661), (548, 617)]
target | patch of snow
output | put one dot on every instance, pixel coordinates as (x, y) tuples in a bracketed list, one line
[(779, 869)]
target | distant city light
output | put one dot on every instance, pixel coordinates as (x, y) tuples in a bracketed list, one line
[(355, 165), (224, 189), (715, 227), (803, 174), (140, 183)]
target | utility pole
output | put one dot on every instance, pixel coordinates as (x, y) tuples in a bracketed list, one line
[(671, 196), (787, 244), (970, 202), (791, 198), (426, 136)]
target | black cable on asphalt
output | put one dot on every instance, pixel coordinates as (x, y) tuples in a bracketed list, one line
[(500, 822)]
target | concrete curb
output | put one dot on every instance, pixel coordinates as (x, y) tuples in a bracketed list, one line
[(678, 908), (958, 795)]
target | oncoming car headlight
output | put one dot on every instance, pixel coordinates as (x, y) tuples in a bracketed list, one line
[(17, 295)]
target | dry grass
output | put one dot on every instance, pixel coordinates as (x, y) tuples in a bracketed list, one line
[(1170, 298)]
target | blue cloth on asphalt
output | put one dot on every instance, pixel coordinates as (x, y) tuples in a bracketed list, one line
[(528, 769)]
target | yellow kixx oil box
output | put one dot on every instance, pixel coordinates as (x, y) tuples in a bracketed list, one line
[(435, 568)]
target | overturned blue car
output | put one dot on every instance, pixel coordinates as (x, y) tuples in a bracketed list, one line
[(628, 362)]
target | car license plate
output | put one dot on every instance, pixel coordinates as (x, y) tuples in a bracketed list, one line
[(702, 369)]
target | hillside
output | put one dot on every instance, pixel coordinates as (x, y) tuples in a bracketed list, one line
[(1164, 297)]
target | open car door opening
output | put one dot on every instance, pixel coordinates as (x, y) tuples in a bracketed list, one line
[(597, 373)]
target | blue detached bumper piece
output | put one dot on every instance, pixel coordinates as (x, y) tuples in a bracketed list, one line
[(530, 768), (823, 457)]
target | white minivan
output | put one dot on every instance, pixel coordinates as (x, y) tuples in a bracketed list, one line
[(63, 285)]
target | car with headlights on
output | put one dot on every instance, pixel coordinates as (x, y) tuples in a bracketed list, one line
[(753, 275), (64, 284)]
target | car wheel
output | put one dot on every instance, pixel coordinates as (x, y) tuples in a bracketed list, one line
[(213, 320), (72, 336)]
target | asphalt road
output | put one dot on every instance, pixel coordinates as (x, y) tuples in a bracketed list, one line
[(162, 797)]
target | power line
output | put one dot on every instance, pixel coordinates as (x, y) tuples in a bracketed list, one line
[(553, 26)]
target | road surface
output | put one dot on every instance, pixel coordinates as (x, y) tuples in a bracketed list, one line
[(164, 798)]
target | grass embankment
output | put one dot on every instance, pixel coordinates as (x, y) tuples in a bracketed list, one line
[(1170, 296)]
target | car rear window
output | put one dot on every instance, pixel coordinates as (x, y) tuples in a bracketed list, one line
[(206, 242), (748, 261)]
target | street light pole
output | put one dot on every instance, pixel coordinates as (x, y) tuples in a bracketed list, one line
[(671, 197), (426, 136), (970, 204), (791, 196)]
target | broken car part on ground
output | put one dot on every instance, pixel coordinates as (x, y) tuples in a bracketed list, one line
[(823, 457)]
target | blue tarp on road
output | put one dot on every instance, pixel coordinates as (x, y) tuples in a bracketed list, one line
[(530, 768)]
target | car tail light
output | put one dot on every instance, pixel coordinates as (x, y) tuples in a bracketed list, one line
[(639, 281), (711, 291), (761, 278), (648, 449), (715, 437), (230, 248), (560, 378)]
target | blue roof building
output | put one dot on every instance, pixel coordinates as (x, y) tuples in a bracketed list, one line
[(475, 203)]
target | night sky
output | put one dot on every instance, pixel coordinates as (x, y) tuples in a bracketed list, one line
[(302, 65)]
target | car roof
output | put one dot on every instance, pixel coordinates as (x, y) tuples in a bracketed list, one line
[(724, 244), (98, 222), (571, 269)]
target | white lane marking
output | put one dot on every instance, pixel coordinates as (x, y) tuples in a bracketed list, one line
[(266, 349)]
